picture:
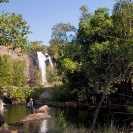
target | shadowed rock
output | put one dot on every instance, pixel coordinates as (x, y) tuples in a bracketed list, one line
[(46, 96)]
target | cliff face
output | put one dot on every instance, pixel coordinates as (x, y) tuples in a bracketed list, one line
[(30, 60)]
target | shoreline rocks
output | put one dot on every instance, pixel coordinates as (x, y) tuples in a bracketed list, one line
[(5, 129), (35, 116)]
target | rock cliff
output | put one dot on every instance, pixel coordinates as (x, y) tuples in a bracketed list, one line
[(30, 60)]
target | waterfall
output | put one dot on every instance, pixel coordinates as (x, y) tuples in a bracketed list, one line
[(42, 65), (1, 107)]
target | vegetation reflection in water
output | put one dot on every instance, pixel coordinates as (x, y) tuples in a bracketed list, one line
[(61, 121), (65, 121)]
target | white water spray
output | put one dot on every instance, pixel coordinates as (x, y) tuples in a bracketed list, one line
[(1, 107), (42, 65)]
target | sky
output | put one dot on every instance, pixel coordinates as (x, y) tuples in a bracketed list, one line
[(42, 15)]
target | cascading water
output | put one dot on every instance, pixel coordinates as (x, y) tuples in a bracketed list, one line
[(50, 61), (1, 106), (42, 65)]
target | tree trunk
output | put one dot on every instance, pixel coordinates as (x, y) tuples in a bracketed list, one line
[(96, 112)]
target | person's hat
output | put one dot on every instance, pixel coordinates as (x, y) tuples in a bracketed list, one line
[(31, 99)]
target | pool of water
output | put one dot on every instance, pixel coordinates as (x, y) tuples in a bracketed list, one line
[(64, 120), (61, 120)]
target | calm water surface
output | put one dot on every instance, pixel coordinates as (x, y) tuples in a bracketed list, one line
[(62, 120), (58, 123)]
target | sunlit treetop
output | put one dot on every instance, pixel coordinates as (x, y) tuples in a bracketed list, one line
[(2, 1)]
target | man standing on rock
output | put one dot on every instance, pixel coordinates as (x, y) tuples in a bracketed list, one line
[(31, 106)]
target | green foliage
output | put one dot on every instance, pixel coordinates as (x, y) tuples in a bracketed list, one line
[(68, 65), (60, 32), (13, 30), (122, 19), (37, 46), (12, 74), (2, 1), (61, 93), (35, 94), (11, 71), (19, 94), (19, 76), (6, 70), (109, 129), (52, 76), (54, 48), (102, 54), (61, 120)]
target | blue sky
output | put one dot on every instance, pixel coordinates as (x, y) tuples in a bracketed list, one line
[(42, 15)]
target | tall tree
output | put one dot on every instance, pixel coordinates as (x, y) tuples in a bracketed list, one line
[(13, 30), (63, 32), (123, 19)]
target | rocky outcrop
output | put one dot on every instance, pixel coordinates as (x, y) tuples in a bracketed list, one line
[(35, 116), (30, 60), (5, 129), (41, 114), (46, 96), (44, 108)]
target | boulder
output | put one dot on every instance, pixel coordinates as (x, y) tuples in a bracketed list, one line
[(5, 129), (46, 96), (35, 116), (44, 108)]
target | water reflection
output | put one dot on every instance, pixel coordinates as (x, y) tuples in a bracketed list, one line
[(58, 123), (43, 128)]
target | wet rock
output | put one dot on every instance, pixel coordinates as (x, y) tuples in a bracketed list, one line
[(44, 108), (35, 116)]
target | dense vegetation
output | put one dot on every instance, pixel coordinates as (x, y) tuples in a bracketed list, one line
[(98, 61), (94, 61)]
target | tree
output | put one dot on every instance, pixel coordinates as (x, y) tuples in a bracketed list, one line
[(6, 70), (62, 35), (101, 55), (13, 30), (106, 58), (61, 30), (122, 18), (2, 1), (36, 46), (19, 78)]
